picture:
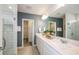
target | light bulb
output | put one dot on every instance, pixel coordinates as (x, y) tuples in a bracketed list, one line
[(44, 17)]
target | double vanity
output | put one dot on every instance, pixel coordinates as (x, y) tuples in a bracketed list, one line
[(56, 45)]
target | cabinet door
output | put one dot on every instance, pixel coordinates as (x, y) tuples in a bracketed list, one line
[(48, 50), (40, 45), (37, 42)]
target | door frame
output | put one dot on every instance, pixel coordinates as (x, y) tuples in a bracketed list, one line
[(23, 31)]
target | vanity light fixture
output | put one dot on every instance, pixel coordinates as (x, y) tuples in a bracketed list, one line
[(44, 17)]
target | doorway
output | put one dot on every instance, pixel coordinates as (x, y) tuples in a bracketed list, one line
[(27, 37), (27, 32)]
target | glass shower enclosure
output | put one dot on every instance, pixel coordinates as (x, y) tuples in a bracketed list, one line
[(9, 36)]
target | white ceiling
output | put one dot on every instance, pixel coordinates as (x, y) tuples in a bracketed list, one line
[(38, 9), (6, 10), (69, 8), (53, 10)]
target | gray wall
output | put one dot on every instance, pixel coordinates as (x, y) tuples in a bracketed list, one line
[(36, 18)]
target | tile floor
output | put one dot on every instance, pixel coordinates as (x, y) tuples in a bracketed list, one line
[(27, 50)]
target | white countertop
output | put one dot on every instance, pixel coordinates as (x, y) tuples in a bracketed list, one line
[(69, 48)]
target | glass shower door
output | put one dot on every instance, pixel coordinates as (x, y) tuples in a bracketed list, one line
[(8, 35)]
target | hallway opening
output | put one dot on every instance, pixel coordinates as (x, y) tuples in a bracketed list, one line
[(26, 34), (27, 38)]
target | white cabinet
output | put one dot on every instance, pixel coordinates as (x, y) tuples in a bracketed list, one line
[(40, 45), (56, 46), (48, 50), (44, 48)]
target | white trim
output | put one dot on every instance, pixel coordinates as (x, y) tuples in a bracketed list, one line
[(66, 25), (23, 31)]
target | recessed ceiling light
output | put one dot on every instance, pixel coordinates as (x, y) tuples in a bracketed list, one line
[(44, 17), (10, 7)]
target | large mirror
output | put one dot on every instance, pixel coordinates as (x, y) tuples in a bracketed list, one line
[(52, 27), (72, 26), (49, 27)]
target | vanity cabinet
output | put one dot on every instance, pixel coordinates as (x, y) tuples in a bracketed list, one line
[(56, 46), (44, 48), (48, 50), (40, 45)]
